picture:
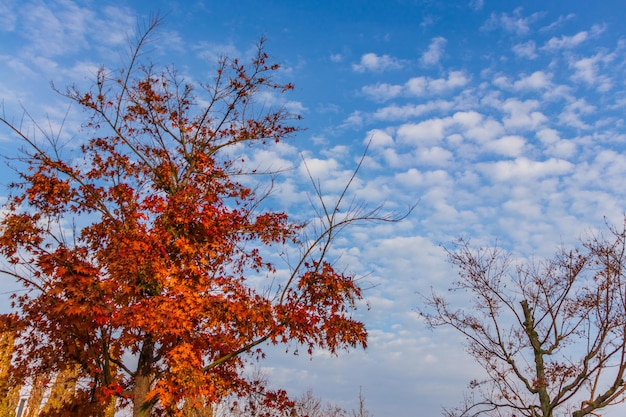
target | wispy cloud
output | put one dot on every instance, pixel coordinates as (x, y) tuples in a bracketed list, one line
[(212, 52), (477, 4), (336, 57), (513, 23), (8, 17), (558, 22), (568, 42), (434, 52), (525, 50)]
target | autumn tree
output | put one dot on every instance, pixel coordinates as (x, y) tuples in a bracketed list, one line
[(550, 335), (144, 254)]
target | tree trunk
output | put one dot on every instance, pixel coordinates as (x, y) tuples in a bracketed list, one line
[(143, 380), (542, 389)]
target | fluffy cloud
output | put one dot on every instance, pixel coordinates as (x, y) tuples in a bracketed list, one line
[(523, 169), (376, 63), (378, 138), (507, 146), (521, 114), (587, 70), (416, 86), (419, 86), (319, 168), (395, 112), (426, 132), (435, 155), (538, 80), (382, 91)]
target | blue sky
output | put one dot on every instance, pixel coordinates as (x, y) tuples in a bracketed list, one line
[(506, 122)]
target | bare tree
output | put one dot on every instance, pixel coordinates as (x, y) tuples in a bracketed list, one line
[(550, 335), (305, 405), (361, 411)]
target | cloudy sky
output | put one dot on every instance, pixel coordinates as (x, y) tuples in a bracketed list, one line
[(506, 123)]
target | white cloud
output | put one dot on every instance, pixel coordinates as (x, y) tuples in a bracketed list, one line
[(382, 91), (427, 21), (395, 112), (556, 146), (558, 92), (435, 155), (477, 4), (272, 159), (415, 178), (502, 81), (568, 42), (378, 138), (468, 118), (548, 136), (318, 168), (8, 15), (377, 63), (434, 52), (524, 168), (212, 51), (514, 23), (510, 146), (562, 19), (336, 57), (538, 80), (455, 79), (572, 113), (275, 100), (116, 24), (587, 70), (525, 50), (426, 132), (54, 29), (521, 114), (419, 86), (416, 86), (476, 127), (354, 120)]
